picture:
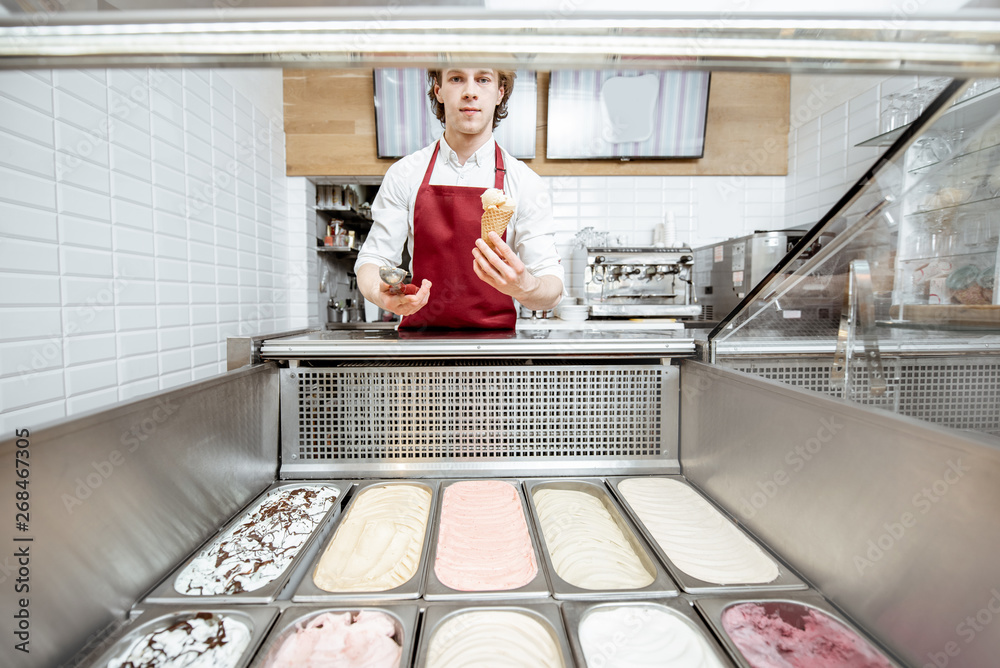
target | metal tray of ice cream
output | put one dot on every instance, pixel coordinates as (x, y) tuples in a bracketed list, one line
[(661, 584), (712, 608), (785, 581), (547, 614), (309, 592), (435, 590), (404, 615), (257, 618), (166, 593), (574, 612)]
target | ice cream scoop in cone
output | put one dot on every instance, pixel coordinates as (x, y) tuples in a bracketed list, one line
[(495, 220)]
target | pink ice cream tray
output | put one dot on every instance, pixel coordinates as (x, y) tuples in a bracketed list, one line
[(514, 548), (403, 615), (840, 644)]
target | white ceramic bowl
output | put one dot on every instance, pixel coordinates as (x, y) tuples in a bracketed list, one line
[(572, 312)]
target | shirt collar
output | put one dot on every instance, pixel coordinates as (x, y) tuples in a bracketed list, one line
[(481, 156)]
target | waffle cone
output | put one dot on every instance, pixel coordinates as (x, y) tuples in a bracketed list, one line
[(494, 220)]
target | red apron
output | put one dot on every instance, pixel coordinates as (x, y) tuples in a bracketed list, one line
[(446, 224)]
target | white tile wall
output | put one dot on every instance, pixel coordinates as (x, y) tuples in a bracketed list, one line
[(143, 218)]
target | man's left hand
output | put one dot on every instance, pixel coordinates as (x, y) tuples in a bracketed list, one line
[(503, 269)]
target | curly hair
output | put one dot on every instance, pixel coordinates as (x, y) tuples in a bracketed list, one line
[(505, 81)]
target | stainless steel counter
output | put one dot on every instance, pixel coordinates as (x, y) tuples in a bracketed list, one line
[(583, 340)]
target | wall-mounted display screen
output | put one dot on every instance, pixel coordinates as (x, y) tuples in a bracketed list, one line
[(405, 123), (627, 114)]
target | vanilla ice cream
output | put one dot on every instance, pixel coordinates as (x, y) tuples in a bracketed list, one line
[(196, 640), (644, 635), (378, 544), (696, 537), (495, 198), (585, 544), (483, 539), (261, 545), (495, 638)]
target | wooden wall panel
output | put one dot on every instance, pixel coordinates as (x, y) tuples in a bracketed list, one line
[(330, 129)]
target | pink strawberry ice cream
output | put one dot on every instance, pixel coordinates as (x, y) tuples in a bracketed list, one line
[(483, 539), (789, 635), (366, 639)]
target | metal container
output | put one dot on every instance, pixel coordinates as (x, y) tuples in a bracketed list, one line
[(165, 594), (661, 585), (546, 613), (435, 590), (712, 609), (574, 612), (404, 616), (786, 580), (258, 619), (308, 592)]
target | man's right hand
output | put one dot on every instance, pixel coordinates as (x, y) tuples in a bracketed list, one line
[(407, 303), (376, 291)]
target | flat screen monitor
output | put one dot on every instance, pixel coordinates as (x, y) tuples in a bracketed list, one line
[(626, 114), (404, 121)]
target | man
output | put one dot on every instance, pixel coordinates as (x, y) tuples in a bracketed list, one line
[(430, 201)]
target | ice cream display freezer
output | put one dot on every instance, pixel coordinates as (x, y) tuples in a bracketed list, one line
[(466, 509)]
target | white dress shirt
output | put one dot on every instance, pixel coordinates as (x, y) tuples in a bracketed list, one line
[(529, 232)]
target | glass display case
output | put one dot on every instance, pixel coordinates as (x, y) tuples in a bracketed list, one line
[(898, 308)]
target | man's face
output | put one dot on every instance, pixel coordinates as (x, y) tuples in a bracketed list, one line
[(469, 98)]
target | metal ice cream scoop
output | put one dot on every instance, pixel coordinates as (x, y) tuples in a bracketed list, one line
[(393, 277)]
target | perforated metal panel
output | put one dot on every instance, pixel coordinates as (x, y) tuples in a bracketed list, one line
[(357, 414), (956, 392)]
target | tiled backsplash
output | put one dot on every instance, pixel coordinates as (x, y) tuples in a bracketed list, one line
[(142, 220), (145, 217)]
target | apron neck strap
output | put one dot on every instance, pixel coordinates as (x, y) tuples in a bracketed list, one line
[(498, 168)]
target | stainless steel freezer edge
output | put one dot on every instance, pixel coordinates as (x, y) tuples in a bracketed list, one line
[(382, 344)]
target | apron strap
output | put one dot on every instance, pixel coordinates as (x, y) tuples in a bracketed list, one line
[(498, 167), (430, 165), (499, 170)]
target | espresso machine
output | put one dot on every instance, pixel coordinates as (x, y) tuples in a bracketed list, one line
[(633, 282)]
